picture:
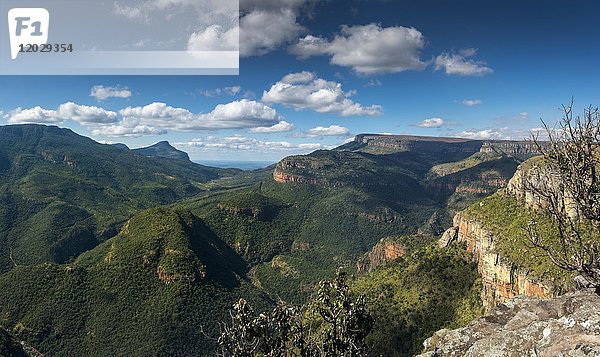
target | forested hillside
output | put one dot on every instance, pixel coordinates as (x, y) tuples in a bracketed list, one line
[(62, 193)]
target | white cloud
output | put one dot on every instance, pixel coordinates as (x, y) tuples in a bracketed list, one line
[(374, 83), (503, 133), (332, 130), (268, 24), (472, 102), (431, 123), (102, 93), (486, 134), (523, 115), (242, 143), (264, 31), (233, 90), (241, 114), (459, 64), (215, 38), (156, 118), (88, 115), (280, 127), (304, 90), (368, 49), (127, 131), (35, 115)]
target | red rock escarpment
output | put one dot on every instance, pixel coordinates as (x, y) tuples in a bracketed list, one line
[(385, 251), (501, 279)]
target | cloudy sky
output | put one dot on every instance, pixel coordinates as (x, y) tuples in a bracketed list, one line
[(315, 73)]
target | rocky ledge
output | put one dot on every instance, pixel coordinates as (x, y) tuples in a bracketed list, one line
[(565, 326), (387, 250)]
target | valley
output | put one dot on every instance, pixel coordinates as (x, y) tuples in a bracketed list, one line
[(106, 250)]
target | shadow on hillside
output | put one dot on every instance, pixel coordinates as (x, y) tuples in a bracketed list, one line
[(223, 265)]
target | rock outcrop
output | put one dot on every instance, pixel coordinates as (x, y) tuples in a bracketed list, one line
[(564, 326), (383, 252), (283, 177), (424, 144), (501, 279), (511, 148), (400, 143)]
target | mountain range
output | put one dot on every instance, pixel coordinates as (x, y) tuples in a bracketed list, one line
[(111, 251)]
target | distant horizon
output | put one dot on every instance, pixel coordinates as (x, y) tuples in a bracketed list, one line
[(328, 70)]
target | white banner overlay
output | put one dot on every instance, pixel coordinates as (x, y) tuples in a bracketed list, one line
[(119, 37)]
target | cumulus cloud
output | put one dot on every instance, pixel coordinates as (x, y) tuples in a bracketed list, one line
[(241, 114), (102, 93), (264, 31), (127, 131), (472, 102), (304, 91), (459, 64), (332, 130), (242, 143), (486, 134), (280, 127), (215, 38), (503, 133), (35, 115), (266, 25), (87, 115), (431, 123), (368, 49)]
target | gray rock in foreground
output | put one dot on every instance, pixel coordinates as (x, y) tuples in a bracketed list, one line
[(565, 326)]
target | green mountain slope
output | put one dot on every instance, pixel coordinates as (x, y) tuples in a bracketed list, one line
[(163, 149), (415, 296), (149, 291), (323, 211), (61, 193)]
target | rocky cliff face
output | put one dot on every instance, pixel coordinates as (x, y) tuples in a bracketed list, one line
[(282, 177), (400, 143), (421, 144), (385, 251), (564, 326), (511, 148), (501, 279)]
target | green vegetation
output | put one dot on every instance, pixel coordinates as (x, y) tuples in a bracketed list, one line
[(163, 149), (71, 284), (151, 290), (508, 218), (415, 296), (61, 193), (9, 347), (295, 234), (333, 323), (454, 167)]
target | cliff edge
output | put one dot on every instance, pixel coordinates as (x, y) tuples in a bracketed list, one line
[(564, 326)]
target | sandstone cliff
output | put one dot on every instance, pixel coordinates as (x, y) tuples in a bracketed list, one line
[(400, 143), (501, 279), (385, 251)]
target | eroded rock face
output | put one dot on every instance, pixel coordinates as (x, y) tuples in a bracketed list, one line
[(501, 279), (385, 251), (564, 326)]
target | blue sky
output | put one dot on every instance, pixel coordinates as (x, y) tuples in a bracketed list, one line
[(322, 71)]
